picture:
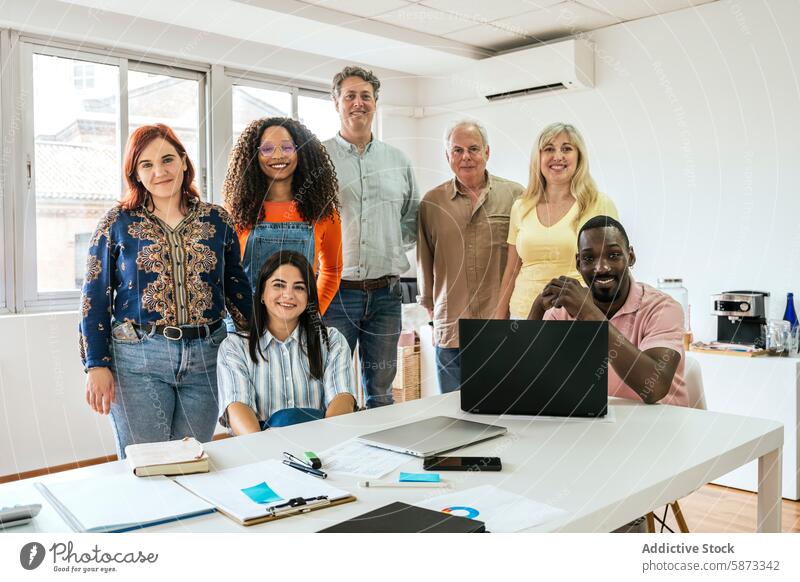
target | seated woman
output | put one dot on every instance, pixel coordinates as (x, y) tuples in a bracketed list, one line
[(289, 368)]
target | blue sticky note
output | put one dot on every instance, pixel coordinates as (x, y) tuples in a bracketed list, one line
[(419, 477), (261, 493)]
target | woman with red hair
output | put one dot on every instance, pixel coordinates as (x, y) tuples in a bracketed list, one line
[(163, 270)]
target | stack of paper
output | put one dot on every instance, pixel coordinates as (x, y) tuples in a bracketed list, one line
[(121, 502), (355, 458)]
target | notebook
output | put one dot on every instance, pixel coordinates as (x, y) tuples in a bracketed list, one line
[(400, 517), (548, 368), (121, 503), (432, 436), (273, 482), (182, 457)]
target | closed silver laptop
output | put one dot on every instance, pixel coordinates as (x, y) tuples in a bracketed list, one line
[(432, 436)]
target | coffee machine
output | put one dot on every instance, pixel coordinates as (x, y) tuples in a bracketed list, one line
[(740, 316)]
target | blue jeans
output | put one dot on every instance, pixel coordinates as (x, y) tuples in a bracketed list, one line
[(372, 319), (448, 365), (290, 416), (164, 389)]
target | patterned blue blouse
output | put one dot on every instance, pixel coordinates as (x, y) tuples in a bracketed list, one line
[(129, 275)]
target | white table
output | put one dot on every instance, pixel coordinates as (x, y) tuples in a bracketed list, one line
[(604, 474)]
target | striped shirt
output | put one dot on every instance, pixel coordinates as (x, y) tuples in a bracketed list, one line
[(283, 380)]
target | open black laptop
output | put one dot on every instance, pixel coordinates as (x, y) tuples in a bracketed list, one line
[(549, 368)]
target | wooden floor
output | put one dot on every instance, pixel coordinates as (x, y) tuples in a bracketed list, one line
[(715, 509)]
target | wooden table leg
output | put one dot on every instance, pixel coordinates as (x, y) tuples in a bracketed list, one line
[(651, 523), (676, 509), (769, 492)]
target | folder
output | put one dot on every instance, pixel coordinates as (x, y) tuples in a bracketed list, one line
[(121, 502), (400, 517), (295, 491)]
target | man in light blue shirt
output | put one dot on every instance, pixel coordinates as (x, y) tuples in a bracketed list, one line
[(379, 201)]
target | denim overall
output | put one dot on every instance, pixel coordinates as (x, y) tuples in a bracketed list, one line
[(267, 238)]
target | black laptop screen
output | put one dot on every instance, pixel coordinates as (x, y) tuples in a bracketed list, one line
[(552, 368)]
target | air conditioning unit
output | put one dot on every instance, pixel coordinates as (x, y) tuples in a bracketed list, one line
[(566, 65)]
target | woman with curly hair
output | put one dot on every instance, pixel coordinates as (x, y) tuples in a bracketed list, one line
[(281, 191), (545, 220)]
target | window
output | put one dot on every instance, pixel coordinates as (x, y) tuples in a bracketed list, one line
[(78, 130), (317, 112), (83, 75), (251, 103), (314, 108), (76, 161), (156, 98), (81, 249)]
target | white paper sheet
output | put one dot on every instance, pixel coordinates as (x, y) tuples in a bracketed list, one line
[(501, 511), (355, 458)]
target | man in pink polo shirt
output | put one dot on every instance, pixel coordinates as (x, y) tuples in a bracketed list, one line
[(645, 332)]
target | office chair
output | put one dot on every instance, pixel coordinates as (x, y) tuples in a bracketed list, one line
[(693, 378)]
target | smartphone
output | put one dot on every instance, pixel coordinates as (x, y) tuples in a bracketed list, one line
[(462, 464)]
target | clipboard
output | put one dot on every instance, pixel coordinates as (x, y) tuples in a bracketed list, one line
[(296, 492), (297, 511)]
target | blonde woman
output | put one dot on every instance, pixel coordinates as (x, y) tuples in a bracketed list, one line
[(544, 223)]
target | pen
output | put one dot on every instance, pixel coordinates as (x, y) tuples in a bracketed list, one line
[(293, 459), (372, 484), (307, 469)]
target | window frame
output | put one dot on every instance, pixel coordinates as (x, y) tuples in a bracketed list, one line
[(26, 274), (8, 127)]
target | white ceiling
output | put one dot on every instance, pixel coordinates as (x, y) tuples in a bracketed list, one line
[(421, 37), (498, 25)]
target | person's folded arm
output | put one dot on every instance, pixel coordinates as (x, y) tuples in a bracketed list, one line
[(541, 304), (242, 419), (649, 373), (650, 369)]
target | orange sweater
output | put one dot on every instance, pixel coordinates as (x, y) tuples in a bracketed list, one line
[(327, 247)]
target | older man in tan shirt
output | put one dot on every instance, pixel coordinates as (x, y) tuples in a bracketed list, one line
[(461, 244)]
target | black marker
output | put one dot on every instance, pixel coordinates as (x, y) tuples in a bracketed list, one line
[(306, 469)]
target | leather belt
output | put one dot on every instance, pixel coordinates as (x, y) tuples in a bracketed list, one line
[(369, 284), (175, 333)]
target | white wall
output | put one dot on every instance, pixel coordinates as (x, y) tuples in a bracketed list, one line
[(44, 418), (693, 129)]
